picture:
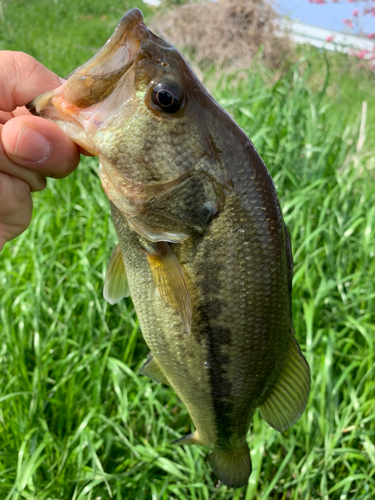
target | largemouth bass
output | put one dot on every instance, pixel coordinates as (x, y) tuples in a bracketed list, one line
[(203, 248)]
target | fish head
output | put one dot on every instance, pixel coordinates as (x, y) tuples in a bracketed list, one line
[(137, 105)]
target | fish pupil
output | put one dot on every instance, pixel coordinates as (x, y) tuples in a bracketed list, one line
[(168, 96), (165, 98)]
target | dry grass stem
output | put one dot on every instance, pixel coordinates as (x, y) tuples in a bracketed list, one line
[(226, 33), (362, 128)]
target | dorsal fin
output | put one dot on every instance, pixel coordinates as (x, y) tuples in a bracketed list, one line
[(288, 399), (115, 284)]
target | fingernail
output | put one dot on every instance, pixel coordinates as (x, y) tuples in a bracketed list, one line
[(31, 145)]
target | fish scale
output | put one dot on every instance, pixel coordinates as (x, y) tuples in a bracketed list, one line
[(203, 248)]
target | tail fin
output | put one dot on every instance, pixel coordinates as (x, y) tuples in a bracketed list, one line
[(233, 467)]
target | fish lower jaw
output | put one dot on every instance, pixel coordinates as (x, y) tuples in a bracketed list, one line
[(120, 192)]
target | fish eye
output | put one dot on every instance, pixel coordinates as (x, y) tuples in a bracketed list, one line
[(167, 96)]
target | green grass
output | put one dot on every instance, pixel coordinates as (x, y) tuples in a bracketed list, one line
[(61, 33), (77, 421)]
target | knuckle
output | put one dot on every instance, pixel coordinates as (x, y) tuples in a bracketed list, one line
[(39, 183), (13, 193)]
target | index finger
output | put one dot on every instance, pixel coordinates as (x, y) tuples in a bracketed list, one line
[(22, 78)]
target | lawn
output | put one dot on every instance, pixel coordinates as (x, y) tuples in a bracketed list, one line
[(77, 421)]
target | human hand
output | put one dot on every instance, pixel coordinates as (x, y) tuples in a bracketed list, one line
[(31, 148)]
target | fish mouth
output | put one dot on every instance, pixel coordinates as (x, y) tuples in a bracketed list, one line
[(96, 80)]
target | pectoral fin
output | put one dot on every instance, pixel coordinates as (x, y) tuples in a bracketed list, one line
[(153, 370), (170, 281), (287, 401), (115, 284)]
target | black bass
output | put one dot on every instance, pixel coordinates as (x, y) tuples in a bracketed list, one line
[(203, 248)]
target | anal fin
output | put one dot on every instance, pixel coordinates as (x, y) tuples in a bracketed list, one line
[(288, 399), (115, 285), (188, 439), (153, 370)]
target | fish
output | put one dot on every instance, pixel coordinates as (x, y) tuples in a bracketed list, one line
[(203, 248)]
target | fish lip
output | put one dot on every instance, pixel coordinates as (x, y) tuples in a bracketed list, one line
[(93, 81), (78, 101), (113, 60), (132, 19)]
